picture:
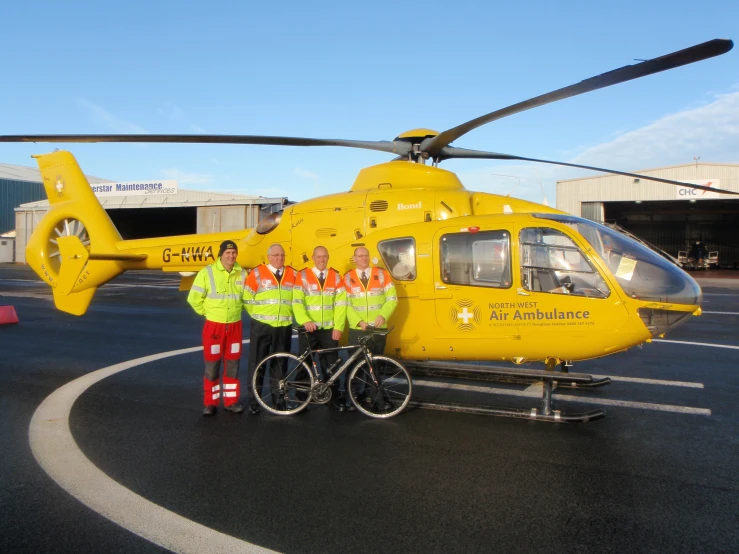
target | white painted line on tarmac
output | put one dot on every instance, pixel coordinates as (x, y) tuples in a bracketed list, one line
[(687, 384), (697, 343), (58, 454), (534, 391)]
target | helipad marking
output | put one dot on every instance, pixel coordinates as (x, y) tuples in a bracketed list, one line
[(58, 454), (535, 392), (686, 384), (697, 343)]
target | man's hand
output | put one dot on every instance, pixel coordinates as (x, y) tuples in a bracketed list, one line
[(310, 326), (336, 334), (363, 325), (380, 321)]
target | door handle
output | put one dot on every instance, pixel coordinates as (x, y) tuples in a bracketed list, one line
[(522, 292)]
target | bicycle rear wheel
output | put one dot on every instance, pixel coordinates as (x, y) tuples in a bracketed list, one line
[(382, 390), (282, 384)]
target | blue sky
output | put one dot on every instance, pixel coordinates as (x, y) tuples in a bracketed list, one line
[(371, 72)]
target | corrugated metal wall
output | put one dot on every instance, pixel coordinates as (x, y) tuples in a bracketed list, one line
[(12, 195), (25, 223), (610, 188)]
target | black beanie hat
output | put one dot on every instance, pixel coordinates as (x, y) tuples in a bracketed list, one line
[(225, 245)]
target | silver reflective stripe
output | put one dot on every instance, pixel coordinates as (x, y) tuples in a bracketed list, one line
[(374, 306), (390, 298), (216, 396), (264, 317), (224, 296), (263, 302), (229, 394), (212, 278), (341, 303), (375, 292), (215, 388), (285, 318), (382, 277), (197, 289), (229, 386)]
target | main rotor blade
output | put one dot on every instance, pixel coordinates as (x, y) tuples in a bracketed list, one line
[(400, 148), (690, 55), (451, 152)]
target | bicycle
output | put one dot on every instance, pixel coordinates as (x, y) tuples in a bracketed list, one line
[(378, 386)]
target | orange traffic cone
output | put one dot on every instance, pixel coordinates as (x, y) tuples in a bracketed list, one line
[(8, 315)]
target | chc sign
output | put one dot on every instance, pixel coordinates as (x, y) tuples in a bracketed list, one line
[(686, 193)]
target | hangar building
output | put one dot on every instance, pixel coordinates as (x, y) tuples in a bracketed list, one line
[(138, 216), (669, 217)]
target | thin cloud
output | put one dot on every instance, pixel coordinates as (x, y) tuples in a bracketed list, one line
[(171, 112), (185, 178), (305, 174), (103, 117), (710, 131)]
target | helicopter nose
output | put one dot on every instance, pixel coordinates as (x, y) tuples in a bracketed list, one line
[(668, 285)]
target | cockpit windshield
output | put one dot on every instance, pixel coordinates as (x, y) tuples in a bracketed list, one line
[(640, 271)]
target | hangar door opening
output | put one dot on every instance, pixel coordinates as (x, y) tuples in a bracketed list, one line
[(674, 225), (154, 222)]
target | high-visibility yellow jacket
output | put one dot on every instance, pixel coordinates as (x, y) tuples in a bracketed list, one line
[(268, 300), (217, 293), (365, 304), (325, 306)]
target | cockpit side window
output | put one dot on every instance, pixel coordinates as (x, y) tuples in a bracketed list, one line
[(551, 262), (479, 259), (399, 256)]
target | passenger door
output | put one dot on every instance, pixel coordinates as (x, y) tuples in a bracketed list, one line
[(473, 284)]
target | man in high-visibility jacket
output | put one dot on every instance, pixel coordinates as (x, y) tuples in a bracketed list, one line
[(217, 294), (319, 304), (268, 297), (371, 299)]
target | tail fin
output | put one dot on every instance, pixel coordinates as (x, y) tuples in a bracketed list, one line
[(70, 248)]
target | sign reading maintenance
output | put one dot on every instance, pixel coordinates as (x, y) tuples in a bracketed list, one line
[(137, 188)]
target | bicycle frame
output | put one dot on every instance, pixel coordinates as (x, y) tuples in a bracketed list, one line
[(360, 349)]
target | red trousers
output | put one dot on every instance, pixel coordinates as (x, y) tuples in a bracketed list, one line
[(221, 341)]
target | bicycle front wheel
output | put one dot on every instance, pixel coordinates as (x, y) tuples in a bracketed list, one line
[(382, 389), (282, 384)]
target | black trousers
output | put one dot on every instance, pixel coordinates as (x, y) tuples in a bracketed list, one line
[(377, 346), (263, 341), (321, 338)]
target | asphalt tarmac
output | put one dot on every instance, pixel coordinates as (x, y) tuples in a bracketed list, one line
[(658, 474)]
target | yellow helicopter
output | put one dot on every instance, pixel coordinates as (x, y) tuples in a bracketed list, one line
[(479, 276)]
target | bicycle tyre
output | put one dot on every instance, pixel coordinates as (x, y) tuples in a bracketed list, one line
[(386, 397), (283, 396)]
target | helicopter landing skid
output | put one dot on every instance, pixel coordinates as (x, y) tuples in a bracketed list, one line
[(562, 379), (554, 416), (549, 380)]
